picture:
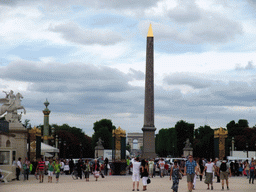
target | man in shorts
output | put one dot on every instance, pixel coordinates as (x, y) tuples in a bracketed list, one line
[(136, 172), (190, 172), (225, 171), (41, 168)]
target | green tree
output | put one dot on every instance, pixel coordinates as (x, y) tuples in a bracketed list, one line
[(204, 142), (184, 130), (103, 129), (73, 141), (166, 142)]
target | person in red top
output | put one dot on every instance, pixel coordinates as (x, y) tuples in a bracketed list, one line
[(166, 167), (40, 168)]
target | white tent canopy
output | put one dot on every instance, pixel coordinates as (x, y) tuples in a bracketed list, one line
[(48, 149)]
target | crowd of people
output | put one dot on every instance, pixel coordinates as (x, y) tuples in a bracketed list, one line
[(58, 167), (193, 168)]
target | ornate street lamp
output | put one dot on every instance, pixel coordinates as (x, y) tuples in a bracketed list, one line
[(247, 149), (81, 152), (64, 149)]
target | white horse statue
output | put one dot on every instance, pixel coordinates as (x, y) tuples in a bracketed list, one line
[(11, 104)]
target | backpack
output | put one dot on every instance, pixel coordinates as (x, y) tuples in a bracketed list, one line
[(223, 167)]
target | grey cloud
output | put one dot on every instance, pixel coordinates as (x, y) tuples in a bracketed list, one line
[(186, 11), (138, 75), (56, 77), (214, 28), (73, 33), (120, 4), (249, 66), (186, 79)]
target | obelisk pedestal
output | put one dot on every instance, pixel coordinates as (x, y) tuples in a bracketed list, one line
[(149, 127)]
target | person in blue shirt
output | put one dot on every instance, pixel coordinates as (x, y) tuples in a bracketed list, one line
[(190, 172)]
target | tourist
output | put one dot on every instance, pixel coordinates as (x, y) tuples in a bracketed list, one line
[(79, 167), (41, 168), (66, 167), (252, 170), (197, 172), (144, 173), (225, 170), (161, 167), (96, 169), (154, 168), (26, 167), (190, 172), (106, 166), (175, 176), (62, 166), (87, 170), (18, 169), (127, 164), (57, 167), (201, 169), (209, 173), (46, 166), (71, 165), (151, 167), (166, 168), (217, 170), (50, 167), (136, 172), (247, 168)]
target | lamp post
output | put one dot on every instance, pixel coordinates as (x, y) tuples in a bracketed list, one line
[(56, 141), (81, 150), (247, 149), (60, 145), (64, 149), (255, 149), (230, 151)]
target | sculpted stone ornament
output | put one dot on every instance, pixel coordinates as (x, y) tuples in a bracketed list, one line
[(99, 143), (11, 103)]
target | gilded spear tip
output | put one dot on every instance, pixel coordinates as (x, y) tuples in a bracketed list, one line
[(150, 31)]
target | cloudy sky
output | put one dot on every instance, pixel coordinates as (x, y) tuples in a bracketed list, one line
[(88, 59)]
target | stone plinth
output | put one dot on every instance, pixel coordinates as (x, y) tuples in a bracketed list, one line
[(20, 133)]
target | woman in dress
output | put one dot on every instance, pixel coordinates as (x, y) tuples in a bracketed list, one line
[(87, 170), (144, 174), (174, 175), (209, 173), (96, 169)]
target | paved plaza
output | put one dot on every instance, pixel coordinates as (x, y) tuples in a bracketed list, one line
[(116, 183)]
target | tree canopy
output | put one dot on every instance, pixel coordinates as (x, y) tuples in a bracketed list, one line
[(103, 129)]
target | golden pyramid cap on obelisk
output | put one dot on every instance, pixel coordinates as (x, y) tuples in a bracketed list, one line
[(150, 31)]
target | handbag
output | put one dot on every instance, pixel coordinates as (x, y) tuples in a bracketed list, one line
[(180, 176), (148, 181)]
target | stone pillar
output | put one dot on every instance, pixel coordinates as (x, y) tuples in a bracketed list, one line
[(149, 127), (46, 112)]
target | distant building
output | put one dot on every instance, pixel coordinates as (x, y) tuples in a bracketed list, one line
[(135, 140)]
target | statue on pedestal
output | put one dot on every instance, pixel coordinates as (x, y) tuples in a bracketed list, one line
[(11, 103)]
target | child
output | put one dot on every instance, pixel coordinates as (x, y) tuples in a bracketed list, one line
[(57, 170), (50, 171)]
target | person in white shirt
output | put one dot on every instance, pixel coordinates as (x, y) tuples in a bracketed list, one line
[(18, 169), (161, 167), (209, 173), (136, 172)]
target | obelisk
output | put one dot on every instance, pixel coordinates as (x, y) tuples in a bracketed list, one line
[(149, 127)]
